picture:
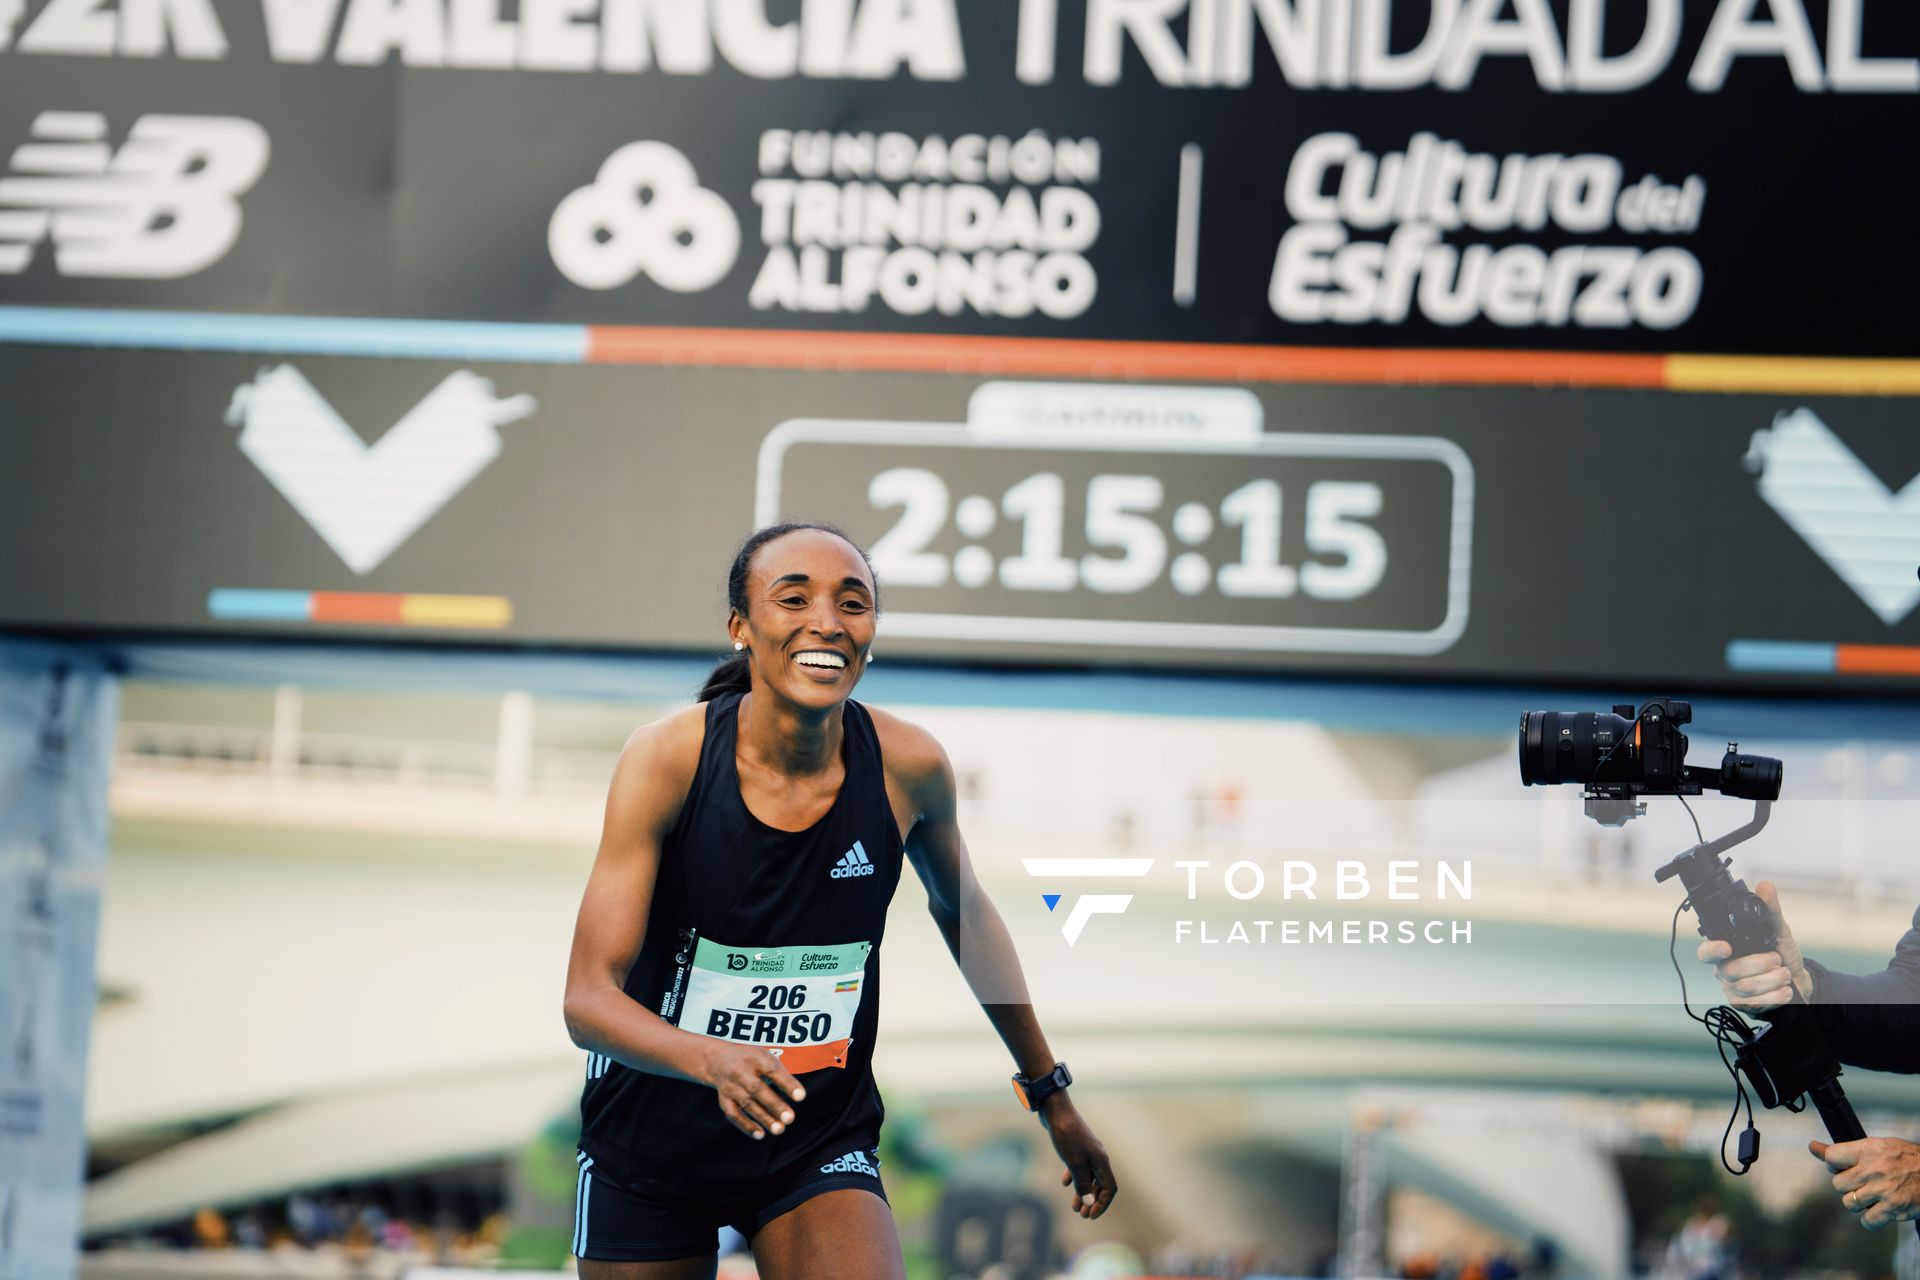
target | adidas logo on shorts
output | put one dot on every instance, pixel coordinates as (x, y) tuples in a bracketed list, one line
[(852, 1162), (853, 862)]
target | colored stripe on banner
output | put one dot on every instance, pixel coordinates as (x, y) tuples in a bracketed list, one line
[(1795, 376), (948, 353), (1781, 657), (295, 335), (1876, 659), (390, 609), (456, 611), (1790, 658), (1067, 357)]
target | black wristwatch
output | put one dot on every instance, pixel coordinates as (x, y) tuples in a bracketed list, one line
[(1034, 1092)]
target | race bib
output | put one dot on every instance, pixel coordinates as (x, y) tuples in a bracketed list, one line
[(797, 1002)]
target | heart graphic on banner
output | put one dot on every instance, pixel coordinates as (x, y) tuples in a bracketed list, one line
[(365, 500), (1866, 533)]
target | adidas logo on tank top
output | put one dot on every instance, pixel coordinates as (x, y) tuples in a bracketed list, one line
[(853, 862)]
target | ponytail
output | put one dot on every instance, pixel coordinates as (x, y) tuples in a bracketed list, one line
[(732, 675)]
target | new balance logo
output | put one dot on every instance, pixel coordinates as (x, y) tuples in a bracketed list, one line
[(854, 862), (852, 1162), (163, 206)]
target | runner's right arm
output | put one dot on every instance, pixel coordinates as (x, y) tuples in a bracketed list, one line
[(650, 783)]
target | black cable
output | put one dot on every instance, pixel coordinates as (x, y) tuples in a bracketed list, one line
[(1727, 1028), (1698, 835), (1673, 942), (1728, 1131)]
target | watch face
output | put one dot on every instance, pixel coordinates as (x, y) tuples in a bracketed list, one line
[(1021, 1093)]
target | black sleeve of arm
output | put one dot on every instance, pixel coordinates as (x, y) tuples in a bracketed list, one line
[(1873, 1020)]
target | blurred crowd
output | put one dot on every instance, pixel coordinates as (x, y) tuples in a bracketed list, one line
[(1479, 1266), (1190, 1260), (1183, 1258), (464, 1231)]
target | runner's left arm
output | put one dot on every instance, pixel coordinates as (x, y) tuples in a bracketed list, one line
[(981, 946)]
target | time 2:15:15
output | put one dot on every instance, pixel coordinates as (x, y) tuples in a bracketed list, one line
[(1124, 515)]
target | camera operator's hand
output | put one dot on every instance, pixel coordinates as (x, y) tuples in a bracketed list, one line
[(1767, 979), (1878, 1178)]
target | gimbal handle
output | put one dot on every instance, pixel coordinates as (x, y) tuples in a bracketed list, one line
[(1762, 810)]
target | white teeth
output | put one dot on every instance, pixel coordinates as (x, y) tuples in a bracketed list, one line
[(817, 659)]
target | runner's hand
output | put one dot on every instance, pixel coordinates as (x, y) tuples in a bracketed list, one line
[(753, 1089), (1088, 1170)]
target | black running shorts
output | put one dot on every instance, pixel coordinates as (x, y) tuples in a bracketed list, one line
[(616, 1224)]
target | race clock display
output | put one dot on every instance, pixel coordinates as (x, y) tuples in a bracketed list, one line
[(1245, 540)]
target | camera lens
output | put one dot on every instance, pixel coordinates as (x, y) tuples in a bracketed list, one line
[(1750, 777), (1573, 746), (1530, 744)]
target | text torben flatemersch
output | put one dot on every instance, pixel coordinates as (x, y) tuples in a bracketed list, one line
[(1246, 880)]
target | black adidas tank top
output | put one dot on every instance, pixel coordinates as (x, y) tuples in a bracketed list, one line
[(757, 936)]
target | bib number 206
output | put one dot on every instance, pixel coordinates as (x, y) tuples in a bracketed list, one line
[(766, 997)]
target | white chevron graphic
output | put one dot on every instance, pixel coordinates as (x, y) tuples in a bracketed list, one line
[(365, 500), (1866, 533)]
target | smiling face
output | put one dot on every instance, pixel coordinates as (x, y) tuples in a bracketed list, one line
[(810, 617)]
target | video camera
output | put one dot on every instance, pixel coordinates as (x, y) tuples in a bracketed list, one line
[(1618, 759), (1623, 756)]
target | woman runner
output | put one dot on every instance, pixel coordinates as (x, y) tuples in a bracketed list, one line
[(725, 972)]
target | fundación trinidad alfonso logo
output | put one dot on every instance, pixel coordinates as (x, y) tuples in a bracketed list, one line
[(364, 500), (1087, 905), (644, 213), (1867, 533)]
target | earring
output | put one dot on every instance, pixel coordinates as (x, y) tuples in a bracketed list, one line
[(869, 655), (738, 646)]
